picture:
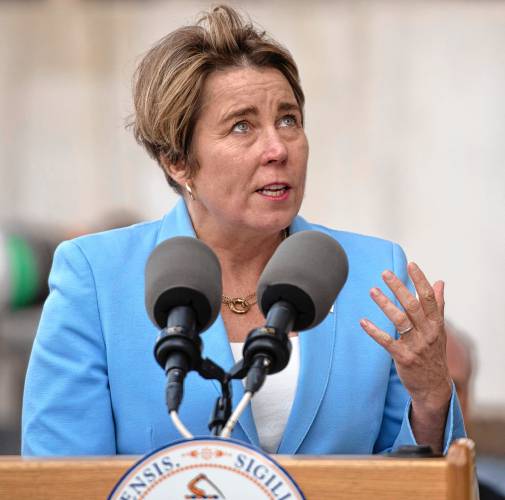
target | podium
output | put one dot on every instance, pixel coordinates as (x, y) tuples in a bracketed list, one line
[(323, 477)]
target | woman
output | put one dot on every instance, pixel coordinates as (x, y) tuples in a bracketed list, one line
[(220, 107)]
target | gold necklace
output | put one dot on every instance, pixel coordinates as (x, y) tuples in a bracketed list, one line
[(241, 305)]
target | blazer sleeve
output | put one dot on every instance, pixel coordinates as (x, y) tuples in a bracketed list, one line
[(66, 403), (396, 430)]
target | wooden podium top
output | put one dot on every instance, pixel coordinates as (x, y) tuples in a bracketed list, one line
[(330, 477)]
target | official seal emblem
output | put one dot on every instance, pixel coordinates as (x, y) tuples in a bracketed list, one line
[(206, 468)]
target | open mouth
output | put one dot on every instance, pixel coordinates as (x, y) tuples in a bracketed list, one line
[(274, 190)]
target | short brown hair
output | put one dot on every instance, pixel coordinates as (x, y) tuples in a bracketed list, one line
[(169, 80)]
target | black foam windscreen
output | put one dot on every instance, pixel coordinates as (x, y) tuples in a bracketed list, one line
[(183, 271), (308, 270)]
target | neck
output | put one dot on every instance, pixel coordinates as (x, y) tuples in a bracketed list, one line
[(242, 252)]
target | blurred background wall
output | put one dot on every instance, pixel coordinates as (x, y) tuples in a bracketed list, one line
[(405, 117)]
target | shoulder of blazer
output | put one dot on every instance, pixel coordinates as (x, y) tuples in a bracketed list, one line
[(355, 241), (118, 245)]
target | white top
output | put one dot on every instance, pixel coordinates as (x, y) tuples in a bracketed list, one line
[(271, 405)]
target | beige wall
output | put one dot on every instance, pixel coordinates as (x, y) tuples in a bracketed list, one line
[(405, 117)]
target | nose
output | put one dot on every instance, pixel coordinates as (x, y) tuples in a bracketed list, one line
[(274, 148)]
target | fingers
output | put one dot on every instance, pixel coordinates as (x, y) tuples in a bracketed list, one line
[(425, 315), (393, 313), (407, 300), (425, 291), (438, 288), (430, 303), (381, 337)]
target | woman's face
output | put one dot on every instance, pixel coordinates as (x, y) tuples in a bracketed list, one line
[(251, 150)]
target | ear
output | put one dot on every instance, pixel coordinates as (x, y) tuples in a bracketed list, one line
[(177, 171)]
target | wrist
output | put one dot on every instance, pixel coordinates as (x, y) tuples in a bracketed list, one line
[(435, 402)]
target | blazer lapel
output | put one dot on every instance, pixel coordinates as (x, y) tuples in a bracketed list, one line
[(215, 340), (316, 353)]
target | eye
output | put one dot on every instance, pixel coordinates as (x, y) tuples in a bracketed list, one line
[(288, 121), (241, 127)]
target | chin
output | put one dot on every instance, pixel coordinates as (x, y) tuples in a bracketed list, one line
[(274, 222)]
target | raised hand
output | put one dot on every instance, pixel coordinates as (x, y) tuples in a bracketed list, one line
[(420, 352)]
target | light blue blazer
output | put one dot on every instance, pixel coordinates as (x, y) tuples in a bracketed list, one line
[(94, 388)]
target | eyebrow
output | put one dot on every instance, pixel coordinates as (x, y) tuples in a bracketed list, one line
[(252, 110), (239, 113), (289, 106)]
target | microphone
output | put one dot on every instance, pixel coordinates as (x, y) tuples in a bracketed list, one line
[(183, 297), (307, 270), (295, 292)]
